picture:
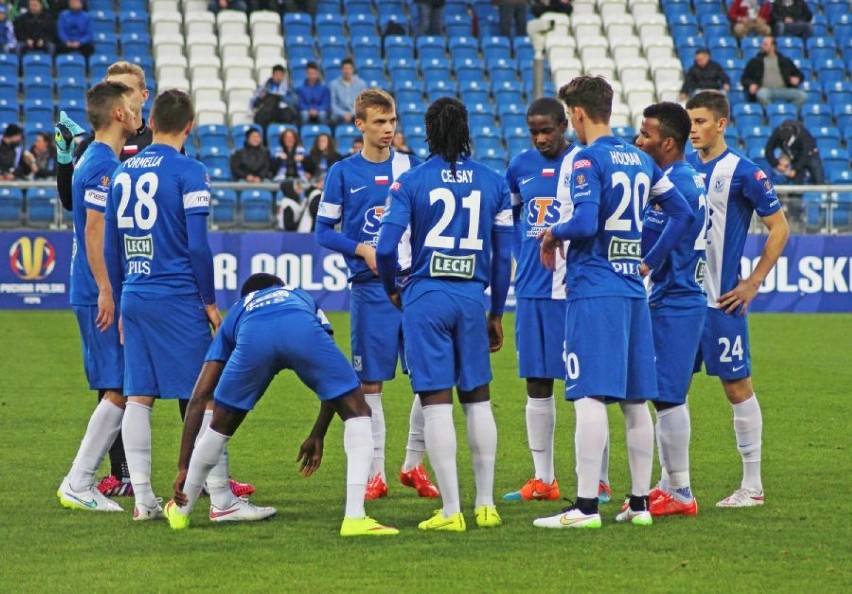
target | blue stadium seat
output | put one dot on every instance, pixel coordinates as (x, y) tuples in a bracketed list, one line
[(496, 47), (498, 164), (345, 134), (463, 47), (11, 207), (217, 162), (752, 132), (71, 65), (746, 109), (219, 173), (212, 133), (830, 71), (470, 96), (38, 111), (37, 64), (223, 211), (9, 65), (256, 207), (9, 111), (328, 25), (431, 44), (41, 207), (408, 95)]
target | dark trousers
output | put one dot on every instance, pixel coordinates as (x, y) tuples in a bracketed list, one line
[(813, 166), (510, 13)]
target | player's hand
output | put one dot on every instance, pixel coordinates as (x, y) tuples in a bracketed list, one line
[(65, 130), (179, 496), (396, 298), (549, 245), (310, 456), (120, 331), (106, 310), (213, 316), (644, 270), (739, 297), (368, 253), (495, 333)]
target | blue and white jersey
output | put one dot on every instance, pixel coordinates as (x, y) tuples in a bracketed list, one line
[(677, 282), (736, 188), (89, 189), (452, 215), (534, 181), (152, 195), (268, 302), (620, 179), (355, 193)]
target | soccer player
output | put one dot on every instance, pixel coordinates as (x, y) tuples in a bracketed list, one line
[(609, 351), (677, 302), (354, 196), (539, 202), (460, 216), (274, 327), (736, 188), (156, 245), (110, 111)]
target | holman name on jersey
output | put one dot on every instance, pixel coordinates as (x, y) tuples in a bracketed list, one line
[(625, 249), (138, 247), (455, 266)]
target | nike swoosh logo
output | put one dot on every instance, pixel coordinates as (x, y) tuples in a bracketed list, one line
[(569, 521), (91, 504), (221, 514), (529, 179), (738, 368), (542, 494), (571, 387), (356, 190)]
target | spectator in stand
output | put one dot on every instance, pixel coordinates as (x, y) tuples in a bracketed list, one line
[(322, 156), (44, 155), (15, 161), (8, 42), (771, 77), (356, 147), (795, 143), (704, 74), (290, 158), (251, 163), (75, 30), (400, 145), (750, 16), (35, 29), (274, 101), (430, 17), (791, 17), (298, 206), (539, 7), (285, 6), (215, 6), (513, 17), (314, 97), (344, 89)]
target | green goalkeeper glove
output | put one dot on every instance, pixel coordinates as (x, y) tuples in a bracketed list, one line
[(66, 130)]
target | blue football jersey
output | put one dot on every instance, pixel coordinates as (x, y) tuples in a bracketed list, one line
[(151, 197), (89, 189), (266, 302), (534, 183), (452, 216), (620, 179), (354, 195), (677, 282), (736, 188)]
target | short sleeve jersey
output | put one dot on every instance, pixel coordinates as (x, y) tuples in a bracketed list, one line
[(151, 197), (264, 303), (89, 190), (452, 213), (736, 188), (677, 282), (354, 195), (620, 179), (534, 182)]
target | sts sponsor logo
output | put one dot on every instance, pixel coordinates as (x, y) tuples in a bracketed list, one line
[(373, 219), (32, 259), (542, 212)]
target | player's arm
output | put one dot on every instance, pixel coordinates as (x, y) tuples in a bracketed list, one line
[(502, 239), (330, 213), (680, 218), (96, 257), (201, 259), (310, 452), (390, 234), (517, 210)]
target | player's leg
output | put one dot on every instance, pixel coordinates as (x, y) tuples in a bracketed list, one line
[(604, 489), (726, 351)]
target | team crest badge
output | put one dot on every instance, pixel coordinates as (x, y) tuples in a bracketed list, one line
[(719, 185), (105, 180), (581, 179)]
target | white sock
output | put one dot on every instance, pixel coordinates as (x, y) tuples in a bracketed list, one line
[(639, 429), (218, 480), (664, 484), (136, 433), (440, 435), (590, 438), (207, 453), (104, 425), (416, 446), (482, 438), (748, 427), (673, 432), (378, 425), (605, 460), (541, 422), (358, 445)]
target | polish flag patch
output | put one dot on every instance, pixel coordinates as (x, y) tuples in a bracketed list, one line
[(382, 180), (130, 149), (548, 172)]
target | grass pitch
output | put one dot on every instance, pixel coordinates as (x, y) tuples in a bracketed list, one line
[(798, 542)]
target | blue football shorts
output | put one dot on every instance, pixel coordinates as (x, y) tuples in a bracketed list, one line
[(676, 339), (446, 342), (103, 357), (725, 349), (539, 338), (376, 337), (165, 340), (294, 341), (609, 349)]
